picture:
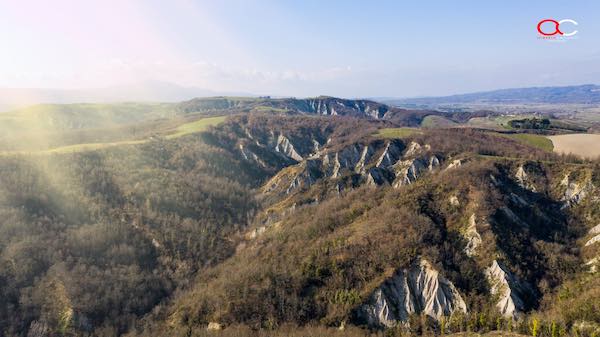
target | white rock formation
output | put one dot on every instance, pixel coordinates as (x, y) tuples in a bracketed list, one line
[(595, 230), (521, 175), (575, 192), (413, 148), (250, 156), (408, 171), (390, 155), (593, 240), (433, 163), (316, 147), (454, 201), (305, 178), (454, 164), (365, 155), (248, 134), (419, 289), (213, 326), (347, 158), (377, 163), (592, 265), (508, 288), (285, 146), (241, 146), (523, 179), (38, 329), (375, 177), (472, 236)]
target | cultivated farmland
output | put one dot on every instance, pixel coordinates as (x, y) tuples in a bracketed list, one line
[(585, 145)]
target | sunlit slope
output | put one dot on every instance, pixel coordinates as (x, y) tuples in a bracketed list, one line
[(63, 117), (196, 126), (71, 127), (181, 130), (392, 133), (78, 116), (537, 141)]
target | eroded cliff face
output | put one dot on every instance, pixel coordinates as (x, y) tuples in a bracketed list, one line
[(575, 191), (592, 243), (508, 288), (524, 180), (375, 163), (472, 236), (273, 150), (419, 289), (335, 106), (287, 148), (594, 234), (522, 191)]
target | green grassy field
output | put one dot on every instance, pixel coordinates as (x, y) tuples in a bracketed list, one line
[(396, 132), (196, 126), (437, 122), (541, 142)]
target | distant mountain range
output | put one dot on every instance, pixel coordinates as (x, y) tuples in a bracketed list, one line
[(580, 94), (11, 98)]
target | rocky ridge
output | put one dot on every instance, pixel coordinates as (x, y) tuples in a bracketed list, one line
[(375, 163)]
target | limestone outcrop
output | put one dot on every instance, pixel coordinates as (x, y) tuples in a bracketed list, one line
[(472, 236), (524, 180), (375, 163), (419, 289), (509, 289), (575, 191), (593, 240), (596, 238), (286, 147)]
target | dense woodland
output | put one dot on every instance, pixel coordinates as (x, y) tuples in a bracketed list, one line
[(151, 239), (100, 238)]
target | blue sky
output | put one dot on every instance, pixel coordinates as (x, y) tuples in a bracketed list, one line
[(299, 48)]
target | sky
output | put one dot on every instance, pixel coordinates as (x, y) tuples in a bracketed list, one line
[(298, 48)]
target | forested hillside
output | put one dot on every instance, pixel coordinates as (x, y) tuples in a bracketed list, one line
[(503, 225), (299, 213), (91, 241)]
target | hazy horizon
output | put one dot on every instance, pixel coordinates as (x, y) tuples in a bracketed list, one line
[(207, 92)]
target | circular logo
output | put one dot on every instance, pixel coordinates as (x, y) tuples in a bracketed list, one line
[(551, 27)]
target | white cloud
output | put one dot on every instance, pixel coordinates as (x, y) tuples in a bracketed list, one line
[(212, 76)]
